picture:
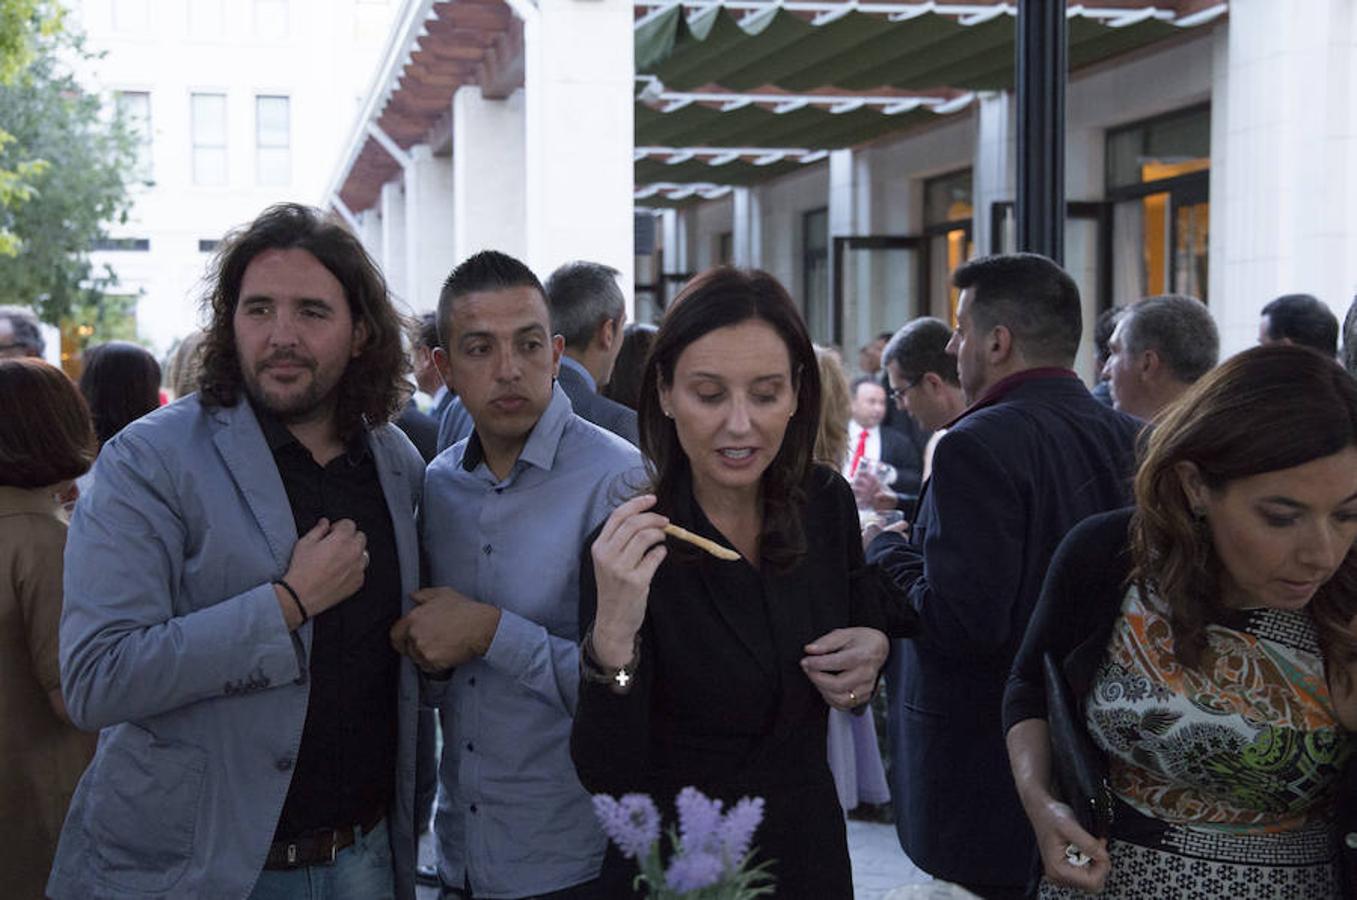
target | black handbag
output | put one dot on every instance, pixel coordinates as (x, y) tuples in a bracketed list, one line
[(1079, 766)]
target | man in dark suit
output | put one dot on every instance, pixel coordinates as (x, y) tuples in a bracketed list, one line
[(588, 310), (869, 439), (1033, 454)]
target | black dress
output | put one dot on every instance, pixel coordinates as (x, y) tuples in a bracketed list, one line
[(720, 701)]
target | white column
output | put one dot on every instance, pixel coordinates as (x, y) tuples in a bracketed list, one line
[(747, 228), (993, 171), (370, 232), (1284, 221), (393, 258), (489, 191), (428, 227), (578, 72)]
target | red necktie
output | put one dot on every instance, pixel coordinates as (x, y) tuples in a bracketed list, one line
[(857, 453)]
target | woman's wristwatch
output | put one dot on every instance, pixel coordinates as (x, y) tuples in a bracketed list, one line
[(620, 678)]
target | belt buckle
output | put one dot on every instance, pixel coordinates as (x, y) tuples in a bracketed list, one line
[(291, 854)]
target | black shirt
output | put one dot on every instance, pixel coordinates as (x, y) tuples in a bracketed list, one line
[(345, 770)]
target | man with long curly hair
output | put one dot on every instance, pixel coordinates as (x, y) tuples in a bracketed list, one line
[(230, 583)]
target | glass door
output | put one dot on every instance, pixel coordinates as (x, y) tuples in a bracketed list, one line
[(880, 282)]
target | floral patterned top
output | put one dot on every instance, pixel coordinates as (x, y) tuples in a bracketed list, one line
[(1247, 742)]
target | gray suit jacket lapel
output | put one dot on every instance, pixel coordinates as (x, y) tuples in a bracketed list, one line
[(247, 457)]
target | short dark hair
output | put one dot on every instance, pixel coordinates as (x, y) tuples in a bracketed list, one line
[(373, 388), (427, 333), (859, 382), (27, 332), (715, 299), (121, 383), (582, 296), (1103, 326), (488, 270), (1179, 329), (628, 371), (1350, 339), (1031, 296), (920, 347), (1303, 320), (45, 431)]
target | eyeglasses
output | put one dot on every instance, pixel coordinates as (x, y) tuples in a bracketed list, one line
[(896, 393)]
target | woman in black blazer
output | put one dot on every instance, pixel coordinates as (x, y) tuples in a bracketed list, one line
[(714, 673)]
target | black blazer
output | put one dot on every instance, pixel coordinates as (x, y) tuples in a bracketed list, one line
[(1009, 480), (594, 407), (898, 450), (720, 702)]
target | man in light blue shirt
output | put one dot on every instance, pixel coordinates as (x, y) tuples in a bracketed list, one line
[(505, 516)]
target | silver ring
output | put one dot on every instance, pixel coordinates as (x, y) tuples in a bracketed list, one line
[(852, 697), (366, 559)]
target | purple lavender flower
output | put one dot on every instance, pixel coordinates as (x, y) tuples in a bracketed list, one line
[(699, 822), (737, 828), (633, 823), (694, 870)]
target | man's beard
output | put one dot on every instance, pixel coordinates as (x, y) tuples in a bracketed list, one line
[(317, 399)]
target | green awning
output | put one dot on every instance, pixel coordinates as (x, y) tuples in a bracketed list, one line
[(738, 173), (858, 51), (815, 128)]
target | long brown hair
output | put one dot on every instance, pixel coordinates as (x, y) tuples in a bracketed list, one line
[(1267, 409), (373, 387), (716, 299)]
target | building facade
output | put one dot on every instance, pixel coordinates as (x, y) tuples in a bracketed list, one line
[(239, 104)]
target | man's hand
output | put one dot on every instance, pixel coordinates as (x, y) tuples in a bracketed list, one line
[(328, 565), (445, 629), (843, 665)]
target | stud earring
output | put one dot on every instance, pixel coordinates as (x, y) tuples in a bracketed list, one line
[(1199, 514)]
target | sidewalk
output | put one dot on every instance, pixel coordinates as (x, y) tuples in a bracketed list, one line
[(878, 863)]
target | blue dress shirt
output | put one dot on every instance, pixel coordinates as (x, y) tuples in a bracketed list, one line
[(512, 816)]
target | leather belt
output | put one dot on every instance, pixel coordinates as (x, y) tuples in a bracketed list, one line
[(316, 848)]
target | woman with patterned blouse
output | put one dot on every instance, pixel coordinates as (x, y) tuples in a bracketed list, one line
[(1208, 634)]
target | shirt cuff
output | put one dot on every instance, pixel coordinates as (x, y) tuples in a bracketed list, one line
[(511, 649)]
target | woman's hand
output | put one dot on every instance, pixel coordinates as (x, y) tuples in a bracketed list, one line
[(1057, 829), (844, 663), (626, 554)]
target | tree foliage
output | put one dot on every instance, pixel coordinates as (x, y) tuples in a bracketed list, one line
[(71, 168)]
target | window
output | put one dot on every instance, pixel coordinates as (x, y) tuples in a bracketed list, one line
[(1158, 178), (206, 20), (131, 16), (136, 245), (273, 153), (270, 19), (134, 108), (815, 269), (725, 248), (209, 139), (947, 222)]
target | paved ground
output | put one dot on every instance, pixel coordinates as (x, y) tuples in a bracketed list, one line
[(878, 863)]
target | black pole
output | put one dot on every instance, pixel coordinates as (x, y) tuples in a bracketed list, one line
[(1041, 74)]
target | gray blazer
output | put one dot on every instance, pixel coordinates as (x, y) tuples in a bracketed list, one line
[(594, 407), (172, 642)]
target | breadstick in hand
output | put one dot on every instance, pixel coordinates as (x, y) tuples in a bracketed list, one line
[(699, 541)]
